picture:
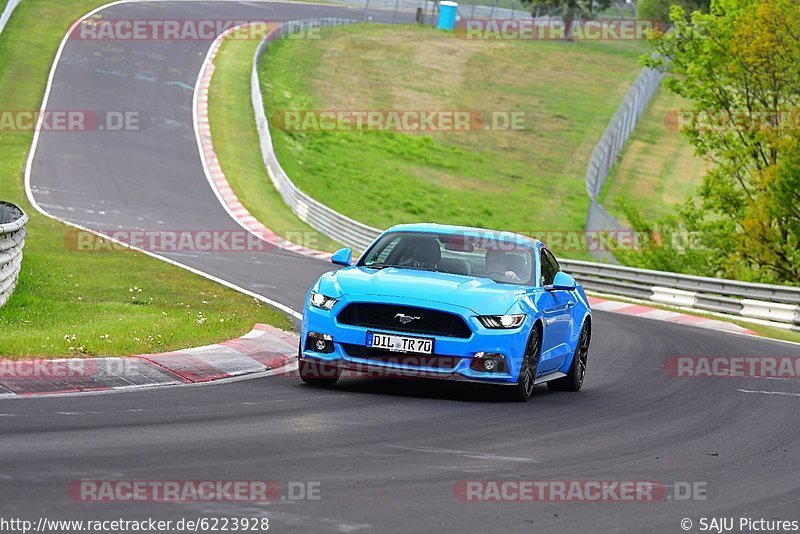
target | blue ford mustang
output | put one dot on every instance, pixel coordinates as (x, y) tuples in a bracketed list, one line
[(449, 302)]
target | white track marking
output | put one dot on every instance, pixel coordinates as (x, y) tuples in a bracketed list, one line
[(195, 122), (465, 454), (202, 127), (35, 142), (782, 393)]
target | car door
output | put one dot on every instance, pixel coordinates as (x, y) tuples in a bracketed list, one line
[(556, 306)]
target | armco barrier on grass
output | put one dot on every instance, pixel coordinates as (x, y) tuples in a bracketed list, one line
[(12, 239), (608, 149), (320, 217)]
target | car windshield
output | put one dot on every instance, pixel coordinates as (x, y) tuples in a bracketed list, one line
[(461, 254)]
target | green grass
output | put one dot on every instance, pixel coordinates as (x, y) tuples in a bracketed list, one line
[(231, 119), (529, 181), (64, 293), (658, 168)]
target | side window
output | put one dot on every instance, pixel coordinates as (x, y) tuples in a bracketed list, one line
[(384, 254), (549, 267), (553, 261)]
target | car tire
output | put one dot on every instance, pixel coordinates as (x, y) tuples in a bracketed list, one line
[(316, 373), (523, 389), (577, 369)]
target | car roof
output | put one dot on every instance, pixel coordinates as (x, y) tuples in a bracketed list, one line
[(434, 228)]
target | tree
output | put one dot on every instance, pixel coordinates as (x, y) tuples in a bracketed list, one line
[(739, 65), (569, 9), (666, 245), (659, 9)]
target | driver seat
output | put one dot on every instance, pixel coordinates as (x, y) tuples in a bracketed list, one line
[(427, 252)]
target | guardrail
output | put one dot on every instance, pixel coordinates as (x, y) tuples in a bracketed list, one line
[(12, 239), (764, 302), (778, 305), (320, 217), (605, 153), (619, 129)]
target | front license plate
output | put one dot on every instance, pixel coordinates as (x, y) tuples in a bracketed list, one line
[(399, 343)]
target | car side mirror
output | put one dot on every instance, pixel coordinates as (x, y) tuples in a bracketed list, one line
[(343, 256), (563, 281)]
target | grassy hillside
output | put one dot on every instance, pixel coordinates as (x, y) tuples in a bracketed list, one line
[(658, 168), (529, 180)]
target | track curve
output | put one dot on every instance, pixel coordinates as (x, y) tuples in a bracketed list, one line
[(153, 179), (387, 453)]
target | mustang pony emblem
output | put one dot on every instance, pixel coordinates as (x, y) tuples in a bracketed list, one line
[(405, 319)]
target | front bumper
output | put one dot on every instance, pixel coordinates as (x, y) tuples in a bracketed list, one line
[(451, 359)]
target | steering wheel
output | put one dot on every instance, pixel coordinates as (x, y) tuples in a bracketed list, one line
[(505, 275)]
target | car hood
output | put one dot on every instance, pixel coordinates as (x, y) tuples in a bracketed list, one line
[(481, 295)]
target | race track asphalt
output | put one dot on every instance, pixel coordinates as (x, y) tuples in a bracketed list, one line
[(387, 453)]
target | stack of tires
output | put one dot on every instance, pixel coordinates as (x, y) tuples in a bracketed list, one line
[(12, 239)]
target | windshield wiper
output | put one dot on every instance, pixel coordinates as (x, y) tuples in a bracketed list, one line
[(380, 266)]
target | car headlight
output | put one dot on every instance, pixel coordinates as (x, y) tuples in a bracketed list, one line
[(318, 300), (501, 321)]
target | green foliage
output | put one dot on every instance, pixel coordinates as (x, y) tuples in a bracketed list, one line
[(739, 65), (670, 244), (570, 9), (659, 9)]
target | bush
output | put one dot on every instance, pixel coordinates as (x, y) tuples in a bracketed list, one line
[(659, 9)]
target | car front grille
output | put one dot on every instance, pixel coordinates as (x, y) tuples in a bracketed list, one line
[(401, 358), (387, 316)]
